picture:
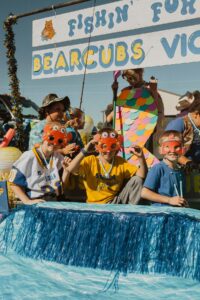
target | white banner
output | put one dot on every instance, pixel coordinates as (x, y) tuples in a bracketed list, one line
[(110, 18), (176, 46)]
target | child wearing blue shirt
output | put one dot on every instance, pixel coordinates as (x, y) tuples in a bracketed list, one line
[(164, 181)]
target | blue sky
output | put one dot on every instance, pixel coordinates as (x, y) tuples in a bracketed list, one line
[(97, 91)]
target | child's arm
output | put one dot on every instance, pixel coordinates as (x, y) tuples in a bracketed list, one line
[(142, 170), (19, 193), (154, 197), (75, 163), (66, 173)]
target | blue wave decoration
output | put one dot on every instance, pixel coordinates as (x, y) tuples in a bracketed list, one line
[(121, 241)]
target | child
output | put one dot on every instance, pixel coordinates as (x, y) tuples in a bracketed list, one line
[(76, 122), (36, 176), (52, 110), (76, 190), (104, 176), (164, 182)]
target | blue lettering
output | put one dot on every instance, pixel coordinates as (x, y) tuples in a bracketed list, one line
[(61, 63), (138, 52), (88, 25), (183, 44), (190, 5), (75, 59), (122, 13), (191, 42), (156, 11), (100, 18), (171, 7), (47, 63), (111, 22), (121, 54), (106, 56), (86, 60), (71, 24), (37, 65), (170, 51), (80, 21)]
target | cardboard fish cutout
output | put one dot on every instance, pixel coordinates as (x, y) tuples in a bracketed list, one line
[(136, 119)]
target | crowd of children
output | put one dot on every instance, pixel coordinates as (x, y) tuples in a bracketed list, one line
[(57, 153)]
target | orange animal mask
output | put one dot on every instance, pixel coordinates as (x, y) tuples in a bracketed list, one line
[(108, 141), (56, 135)]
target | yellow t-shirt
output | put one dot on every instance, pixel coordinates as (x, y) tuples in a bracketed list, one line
[(101, 190)]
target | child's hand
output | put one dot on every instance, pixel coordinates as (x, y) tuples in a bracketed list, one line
[(90, 147), (153, 87), (66, 162), (69, 149), (115, 86), (153, 84), (137, 151), (178, 201)]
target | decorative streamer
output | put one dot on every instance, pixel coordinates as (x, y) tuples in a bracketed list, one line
[(14, 82)]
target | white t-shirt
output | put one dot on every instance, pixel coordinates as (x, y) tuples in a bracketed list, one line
[(37, 178)]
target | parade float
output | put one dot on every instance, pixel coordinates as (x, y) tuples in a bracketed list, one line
[(80, 251)]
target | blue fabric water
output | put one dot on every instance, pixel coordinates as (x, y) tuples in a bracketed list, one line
[(122, 239)]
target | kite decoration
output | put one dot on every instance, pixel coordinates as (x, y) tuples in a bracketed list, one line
[(136, 119)]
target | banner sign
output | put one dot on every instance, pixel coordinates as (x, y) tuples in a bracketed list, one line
[(110, 18), (175, 46)]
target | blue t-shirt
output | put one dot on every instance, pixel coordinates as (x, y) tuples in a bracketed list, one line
[(162, 180), (194, 151)]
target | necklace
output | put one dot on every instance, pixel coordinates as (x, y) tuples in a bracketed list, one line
[(48, 165), (106, 173), (195, 127)]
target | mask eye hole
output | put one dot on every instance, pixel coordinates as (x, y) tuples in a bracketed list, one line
[(62, 130), (55, 127), (104, 135), (60, 141), (104, 146), (112, 135), (113, 146), (51, 138)]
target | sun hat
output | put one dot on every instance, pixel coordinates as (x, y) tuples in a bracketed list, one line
[(52, 98)]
